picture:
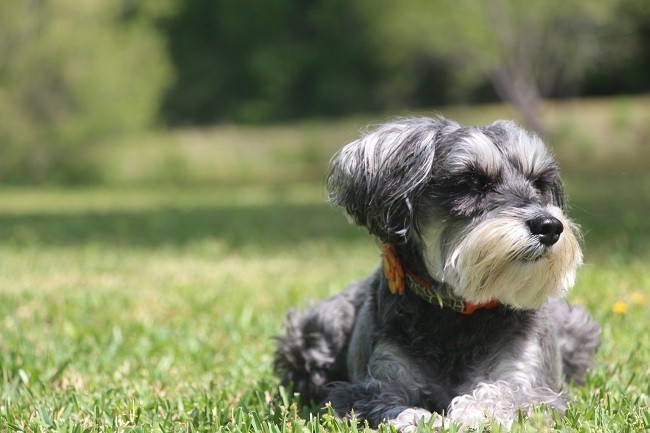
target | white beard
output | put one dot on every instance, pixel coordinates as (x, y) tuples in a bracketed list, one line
[(500, 260)]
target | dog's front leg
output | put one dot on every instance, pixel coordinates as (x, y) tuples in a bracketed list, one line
[(376, 401), (523, 376)]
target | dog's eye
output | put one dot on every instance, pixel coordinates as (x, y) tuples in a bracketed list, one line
[(540, 184), (476, 183)]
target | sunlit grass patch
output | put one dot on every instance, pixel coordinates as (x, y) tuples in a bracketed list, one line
[(153, 308)]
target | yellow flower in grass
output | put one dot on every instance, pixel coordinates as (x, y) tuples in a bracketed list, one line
[(620, 307), (637, 298)]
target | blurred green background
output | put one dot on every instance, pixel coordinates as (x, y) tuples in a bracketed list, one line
[(158, 90)]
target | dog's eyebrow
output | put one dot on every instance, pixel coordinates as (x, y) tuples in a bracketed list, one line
[(528, 154), (476, 150)]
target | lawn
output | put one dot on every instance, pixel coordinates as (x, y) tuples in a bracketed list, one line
[(152, 307)]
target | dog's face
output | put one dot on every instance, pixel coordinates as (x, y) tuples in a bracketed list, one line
[(484, 206)]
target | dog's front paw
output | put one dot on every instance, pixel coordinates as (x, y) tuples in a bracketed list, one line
[(489, 403), (407, 421)]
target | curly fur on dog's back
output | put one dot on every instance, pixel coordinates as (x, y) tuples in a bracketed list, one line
[(313, 351)]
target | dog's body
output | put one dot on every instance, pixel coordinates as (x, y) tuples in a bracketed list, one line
[(465, 318)]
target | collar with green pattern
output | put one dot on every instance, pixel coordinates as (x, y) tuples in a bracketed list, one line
[(442, 295), (400, 279)]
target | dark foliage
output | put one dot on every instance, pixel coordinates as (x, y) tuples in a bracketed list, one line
[(272, 60), (269, 60)]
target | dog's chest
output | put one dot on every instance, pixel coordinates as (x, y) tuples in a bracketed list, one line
[(449, 346)]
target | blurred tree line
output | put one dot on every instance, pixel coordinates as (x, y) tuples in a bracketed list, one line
[(266, 60), (75, 72)]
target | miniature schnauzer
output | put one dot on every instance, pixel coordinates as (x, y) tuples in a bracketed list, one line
[(465, 317)]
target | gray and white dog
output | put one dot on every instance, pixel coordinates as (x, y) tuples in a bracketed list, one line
[(465, 317)]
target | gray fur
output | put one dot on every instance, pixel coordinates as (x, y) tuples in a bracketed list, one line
[(579, 337), (314, 350), (456, 202)]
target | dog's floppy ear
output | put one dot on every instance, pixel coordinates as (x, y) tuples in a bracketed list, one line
[(377, 179)]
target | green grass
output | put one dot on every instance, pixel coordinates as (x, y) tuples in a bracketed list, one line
[(152, 308), (610, 133)]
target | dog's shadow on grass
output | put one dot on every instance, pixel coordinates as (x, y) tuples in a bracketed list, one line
[(612, 209), (615, 221)]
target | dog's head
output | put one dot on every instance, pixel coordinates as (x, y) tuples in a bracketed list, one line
[(483, 206)]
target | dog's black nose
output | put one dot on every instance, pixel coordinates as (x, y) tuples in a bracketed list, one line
[(547, 228)]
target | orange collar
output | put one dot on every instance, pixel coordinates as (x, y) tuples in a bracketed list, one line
[(398, 279)]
